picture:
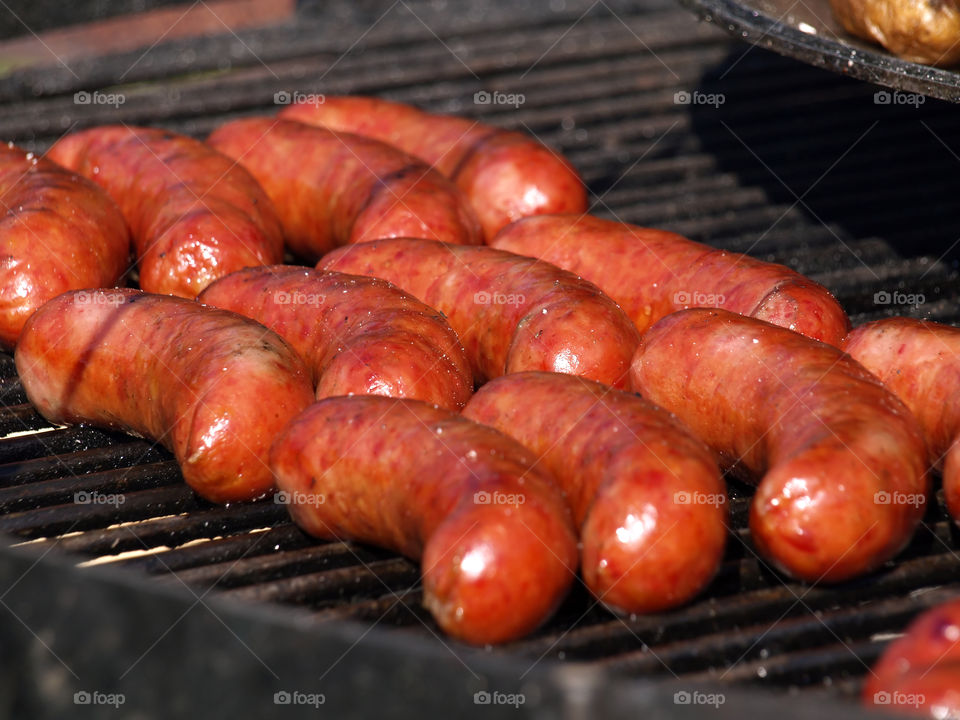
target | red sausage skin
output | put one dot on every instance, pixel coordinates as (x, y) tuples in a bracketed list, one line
[(336, 188), (842, 461), (505, 175), (492, 531), (358, 335), (648, 498), (652, 273), (191, 377), (511, 313)]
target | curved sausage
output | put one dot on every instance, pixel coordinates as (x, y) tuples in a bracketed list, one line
[(335, 188), (648, 498), (358, 335), (842, 460), (193, 213), (213, 387), (919, 673), (59, 232), (919, 361), (652, 273), (505, 175), (492, 531), (511, 313)]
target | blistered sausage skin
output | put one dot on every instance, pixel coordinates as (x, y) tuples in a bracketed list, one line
[(336, 188), (193, 213), (920, 362), (841, 461), (492, 531), (511, 313), (505, 175), (648, 497), (358, 335), (652, 273), (59, 232), (213, 387)]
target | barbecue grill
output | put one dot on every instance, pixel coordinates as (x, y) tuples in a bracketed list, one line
[(183, 607)]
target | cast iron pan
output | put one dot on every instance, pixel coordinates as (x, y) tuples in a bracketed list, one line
[(806, 30)]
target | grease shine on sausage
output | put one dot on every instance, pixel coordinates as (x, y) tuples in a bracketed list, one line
[(358, 335), (648, 497), (336, 188), (59, 232), (652, 273), (492, 531), (505, 175), (512, 313), (213, 387), (919, 361), (195, 215), (842, 461)]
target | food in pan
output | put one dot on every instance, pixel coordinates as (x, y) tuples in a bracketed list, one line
[(923, 31), (920, 362), (213, 387), (358, 335), (652, 273), (841, 461), (491, 529), (336, 188), (194, 214), (648, 497), (59, 232), (506, 175), (511, 313)]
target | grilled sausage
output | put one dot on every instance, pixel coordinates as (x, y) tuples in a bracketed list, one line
[(213, 387), (492, 531), (652, 273), (194, 215), (505, 175), (842, 460), (919, 673), (919, 362), (648, 498), (59, 232), (336, 188), (358, 335), (511, 313)]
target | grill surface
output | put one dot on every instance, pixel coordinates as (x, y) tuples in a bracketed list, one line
[(788, 163)]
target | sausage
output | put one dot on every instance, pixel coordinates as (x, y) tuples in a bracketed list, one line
[(648, 497), (505, 175), (213, 387), (919, 673), (492, 531), (511, 313), (357, 335), (919, 361), (652, 273), (193, 213), (335, 188), (59, 232), (842, 460)]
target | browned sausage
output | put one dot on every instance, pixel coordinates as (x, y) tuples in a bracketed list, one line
[(920, 362), (492, 531), (194, 214), (505, 175), (358, 335), (648, 498), (335, 188), (59, 232), (212, 386), (652, 273), (842, 460), (511, 313)]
